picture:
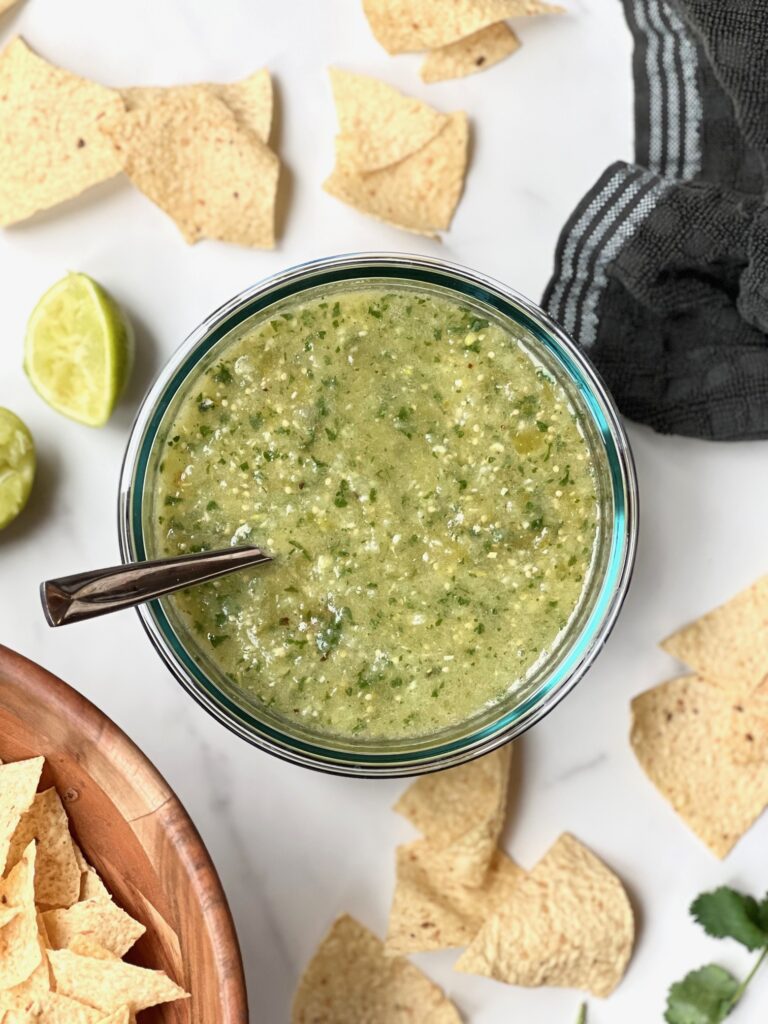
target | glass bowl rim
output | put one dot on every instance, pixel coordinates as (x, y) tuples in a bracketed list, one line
[(613, 586)]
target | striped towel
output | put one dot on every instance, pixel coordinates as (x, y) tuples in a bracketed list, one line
[(661, 272)]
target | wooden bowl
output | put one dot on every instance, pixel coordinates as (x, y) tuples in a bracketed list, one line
[(136, 834)]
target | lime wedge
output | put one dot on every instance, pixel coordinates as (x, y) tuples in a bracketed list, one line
[(17, 466), (78, 350)]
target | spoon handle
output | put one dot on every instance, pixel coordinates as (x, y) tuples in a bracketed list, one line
[(88, 594)]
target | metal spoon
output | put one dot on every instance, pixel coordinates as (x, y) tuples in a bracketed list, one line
[(88, 594)]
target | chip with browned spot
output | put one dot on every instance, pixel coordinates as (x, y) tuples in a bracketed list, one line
[(188, 152), (350, 980), (432, 910), (568, 923), (476, 52), (51, 145), (461, 813), (404, 25), (707, 753)]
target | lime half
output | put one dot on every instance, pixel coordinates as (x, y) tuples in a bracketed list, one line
[(78, 350), (17, 466)]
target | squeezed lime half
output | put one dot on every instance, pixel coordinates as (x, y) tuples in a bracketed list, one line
[(79, 349), (17, 466)]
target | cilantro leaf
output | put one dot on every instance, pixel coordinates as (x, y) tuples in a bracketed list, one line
[(763, 912), (705, 996), (727, 914)]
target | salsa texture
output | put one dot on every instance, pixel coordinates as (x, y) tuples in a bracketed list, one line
[(427, 493)]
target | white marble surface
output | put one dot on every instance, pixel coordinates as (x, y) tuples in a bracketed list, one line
[(293, 848)]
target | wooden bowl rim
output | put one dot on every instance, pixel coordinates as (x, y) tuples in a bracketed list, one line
[(38, 684)]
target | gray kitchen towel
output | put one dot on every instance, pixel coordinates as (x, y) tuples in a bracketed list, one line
[(661, 272)]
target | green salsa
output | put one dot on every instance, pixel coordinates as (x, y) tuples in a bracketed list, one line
[(427, 493)]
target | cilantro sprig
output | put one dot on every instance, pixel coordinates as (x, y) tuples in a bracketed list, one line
[(709, 994)]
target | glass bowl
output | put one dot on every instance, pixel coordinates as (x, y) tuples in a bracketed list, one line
[(551, 678)]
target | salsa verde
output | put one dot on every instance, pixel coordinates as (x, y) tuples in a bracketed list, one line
[(427, 493)]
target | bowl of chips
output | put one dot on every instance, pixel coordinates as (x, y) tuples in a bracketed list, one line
[(111, 906)]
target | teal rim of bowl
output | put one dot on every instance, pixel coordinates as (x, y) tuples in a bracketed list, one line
[(618, 561)]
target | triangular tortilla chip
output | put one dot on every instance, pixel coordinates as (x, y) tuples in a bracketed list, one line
[(379, 126), (419, 193), (51, 1008), (403, 25), (250, 100), (110, 984), (432, 910), (729, 645), (120, 1016), (51, 146), (707, 754), (473, 53), (350, 980), (57, 875), (20, 950), (188, 153), (91, 885), (18, 785), (461, 813), (101, 920), (568, 923)]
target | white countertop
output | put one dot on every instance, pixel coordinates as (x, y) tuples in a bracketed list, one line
[(294, 848)]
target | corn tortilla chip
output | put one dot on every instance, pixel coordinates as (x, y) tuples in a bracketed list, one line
[(461, 813), (419, 193), (57, 875), (101, 920), (379, 125), (120, 1016), (701, 751), (568, 923), (20, 951), (476, 52), (51, 148), (729, 645), (50, 1008), (108, 985), (5, 5), (350, 980), (187, 152), (18, 785), (7, 914), (404, 25), (432, 910), (250, 100), (91, 885), (84, 945)]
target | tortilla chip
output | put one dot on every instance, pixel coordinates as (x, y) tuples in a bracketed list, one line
[(729, 646), (187, 152), (51, 1008), (432, 910), (101, 920), (7, 914), (20, 951), (404, 25), (5, 5), (350, 980), (51, 148), (18, 785), (57, 875), (473, 53), (419, 193), (379, 126), (567, 923), (120, 1016), (109, 985), (702, 752), (250, 100), (91, 885), (461, 813), (84, 945)]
